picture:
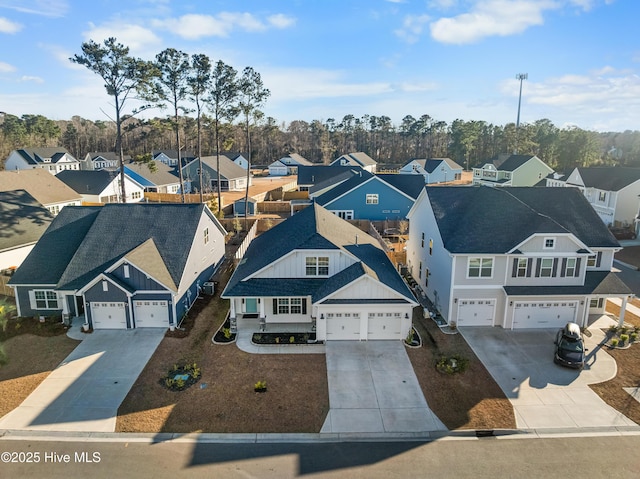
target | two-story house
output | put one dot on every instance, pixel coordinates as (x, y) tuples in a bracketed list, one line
[(359, 158), (232, 176), (53, 160), (170, 157), (98, 160), (612, 191), (315, 271), (527, 257), (434, 170), (121, 266), (371, 197), (511, 170)]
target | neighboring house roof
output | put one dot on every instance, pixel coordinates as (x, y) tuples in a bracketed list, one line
[(410, 185), (173, 154), (22, 219), (295, 159), (344, 187), (107, 155), (43, 186), (163, 174), (430, 164), (314, 175), (35, 156), (359, 158), (480, 219), (87, 182), (609, 178), (228, 169), (313, 228), (509, 162), (88, 240), (595, 282)]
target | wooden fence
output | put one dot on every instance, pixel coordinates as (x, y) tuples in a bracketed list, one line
[(152, 197), (4, 289)]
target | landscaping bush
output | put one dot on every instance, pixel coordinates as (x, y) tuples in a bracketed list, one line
[(181, 377), (452, 364)]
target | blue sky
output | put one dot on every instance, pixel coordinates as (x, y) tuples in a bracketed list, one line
[(328, 58)]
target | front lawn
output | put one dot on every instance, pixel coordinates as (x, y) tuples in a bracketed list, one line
[(467, 400)]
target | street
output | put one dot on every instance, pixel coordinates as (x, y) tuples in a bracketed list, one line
[(508, 456)]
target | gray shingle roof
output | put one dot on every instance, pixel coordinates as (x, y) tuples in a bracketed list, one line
[(87, 182), (431, 164), (609, 178), (480, 219), (35, 156), (42, 185), (315, 175), (595, 282), (22, 219), (511, 163), (344, 187), (357, 159), (411, 185), (87, 240), (228, 169), (295, 159), (164, 174)]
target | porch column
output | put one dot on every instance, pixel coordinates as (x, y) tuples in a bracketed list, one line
[(623, 309), (261, 302), (232, 312)]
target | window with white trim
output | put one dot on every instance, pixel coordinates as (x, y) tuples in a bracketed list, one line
[(290, 306), (592, 260), (549, 243), (45, 299), (372, 198), (317, 266), (206, 235), (480, 268), (521, 269), (602, 196), (546, 267), (570, 267)]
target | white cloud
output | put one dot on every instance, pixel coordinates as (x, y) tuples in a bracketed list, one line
[(442, 4), (418, 87), (491, 18), (412, 27), (140, 40), (195, 26), (281, 20), (47, 8), (6, 68), (27, 78), (7, 26)]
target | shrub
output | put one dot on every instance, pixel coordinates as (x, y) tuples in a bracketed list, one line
[(614, 342), (452, 364), (633, 337), (624, 338), (260, 386), (227, 333), (612, 329), (292, 339)]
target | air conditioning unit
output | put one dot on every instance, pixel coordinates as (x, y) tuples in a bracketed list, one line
[(209, 288)]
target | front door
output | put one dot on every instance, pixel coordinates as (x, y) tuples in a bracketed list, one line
[(251, 305)]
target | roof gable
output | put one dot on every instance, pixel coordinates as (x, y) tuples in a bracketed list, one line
[(147, 258), (609, 178), (228, 169)]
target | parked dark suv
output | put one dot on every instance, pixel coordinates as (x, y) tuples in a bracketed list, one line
[(570, 347)]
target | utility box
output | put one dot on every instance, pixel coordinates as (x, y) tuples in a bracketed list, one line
[(209, 288)]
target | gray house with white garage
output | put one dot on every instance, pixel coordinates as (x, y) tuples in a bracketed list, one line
[(525, 257), (317, 272), (121, 266)]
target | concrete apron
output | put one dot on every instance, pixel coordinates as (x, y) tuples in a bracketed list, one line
[(85, 391), (373, 389)]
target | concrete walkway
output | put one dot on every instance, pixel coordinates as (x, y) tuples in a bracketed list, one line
[(246, 328), (373, 389), (85, 391), (543, 394)]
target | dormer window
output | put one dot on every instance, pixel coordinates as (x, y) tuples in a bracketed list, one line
[(317, 266), (549, 243)]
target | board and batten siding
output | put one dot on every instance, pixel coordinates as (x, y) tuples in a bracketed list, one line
[(294, 265)]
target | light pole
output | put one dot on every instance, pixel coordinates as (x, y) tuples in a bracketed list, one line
[(519, 76)]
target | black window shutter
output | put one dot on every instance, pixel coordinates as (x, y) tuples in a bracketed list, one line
[(538, 261), (529, 265), (599, 259), (578, 267), (555, 267), (304, 305), (275, 305), (563, 267), (514, 271)]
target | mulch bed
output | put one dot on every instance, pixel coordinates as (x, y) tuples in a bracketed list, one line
[(283, 338), (466, 400), (19, 326)]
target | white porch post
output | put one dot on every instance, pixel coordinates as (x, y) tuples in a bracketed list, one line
[(232, 312), (261, 302), (623, 309)]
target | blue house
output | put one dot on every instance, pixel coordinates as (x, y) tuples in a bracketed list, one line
[(121, 266), (372, 197)]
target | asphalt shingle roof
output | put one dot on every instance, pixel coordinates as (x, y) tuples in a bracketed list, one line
[(595, 282), (410, 185), (314, 175), (480, 219), (87, 240), (35, 156), (511, 163), (609, 178), (22, 219), (344, 187), (164, 174), (228, 169), (87, 182), (42, 185)]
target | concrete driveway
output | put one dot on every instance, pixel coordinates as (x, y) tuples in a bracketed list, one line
[(84, 392), (543, 394), (373, 389)]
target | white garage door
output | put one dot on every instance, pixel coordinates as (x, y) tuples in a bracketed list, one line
[(151, 314), (108, 315), (343, 326), (384, 326), (543, 315), (473, 312)]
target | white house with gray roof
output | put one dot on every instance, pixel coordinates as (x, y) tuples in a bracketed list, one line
[(53, 160), (318, 273), (511, 170), (434, 170), (526, 257), (102, 186), (612, 191), (359, 158)]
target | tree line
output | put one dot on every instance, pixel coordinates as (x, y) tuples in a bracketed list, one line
[(214, 108)]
